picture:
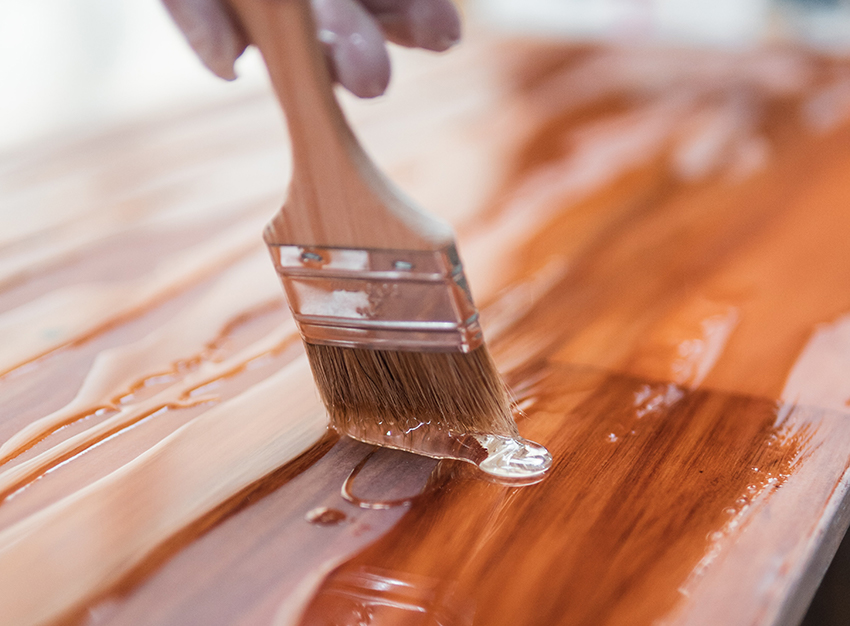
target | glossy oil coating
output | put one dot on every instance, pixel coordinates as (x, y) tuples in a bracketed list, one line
[(634, 501), (658, 244)]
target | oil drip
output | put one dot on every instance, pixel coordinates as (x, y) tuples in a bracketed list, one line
[(324, 516), (511, 459)]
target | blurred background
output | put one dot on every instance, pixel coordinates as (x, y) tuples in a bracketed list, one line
[(70, 65)]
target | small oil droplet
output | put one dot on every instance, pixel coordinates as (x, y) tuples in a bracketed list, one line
[(324, 516), (514, 458)]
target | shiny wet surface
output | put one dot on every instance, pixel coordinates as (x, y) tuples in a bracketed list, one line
[(613, 531), (660, 252)]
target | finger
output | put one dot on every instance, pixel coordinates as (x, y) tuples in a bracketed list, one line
[(355, 46), (213, 36), (430, 24)]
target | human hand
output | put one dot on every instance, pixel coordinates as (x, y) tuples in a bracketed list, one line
[(353, 34)]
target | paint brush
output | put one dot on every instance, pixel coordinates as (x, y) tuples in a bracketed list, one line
[(375, 284)]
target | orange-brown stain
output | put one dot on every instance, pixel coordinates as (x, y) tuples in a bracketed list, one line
[(650, 474), (642, 478)]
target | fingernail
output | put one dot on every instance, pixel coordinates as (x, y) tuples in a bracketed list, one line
[(370, 89), (377, 88), (221, 65), (447, 41), (438, 40)]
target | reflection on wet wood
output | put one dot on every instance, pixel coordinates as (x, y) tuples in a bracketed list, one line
[(648, 476), (659, 244)]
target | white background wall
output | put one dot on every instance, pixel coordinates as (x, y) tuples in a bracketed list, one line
[(69, 65)]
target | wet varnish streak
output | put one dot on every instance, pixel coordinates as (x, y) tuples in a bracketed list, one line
[(658, 264), (609, 537), (653, 481)]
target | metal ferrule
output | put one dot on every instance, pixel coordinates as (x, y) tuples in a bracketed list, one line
[(415, 300)]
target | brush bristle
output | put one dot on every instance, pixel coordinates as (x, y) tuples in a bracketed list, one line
[(461, 392)]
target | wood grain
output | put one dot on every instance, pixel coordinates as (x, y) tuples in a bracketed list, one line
[(658, 241)]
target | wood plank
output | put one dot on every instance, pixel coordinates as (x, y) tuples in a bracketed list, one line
[(658, 241)]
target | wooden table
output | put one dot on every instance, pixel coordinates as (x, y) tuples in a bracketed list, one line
[(660, 245)]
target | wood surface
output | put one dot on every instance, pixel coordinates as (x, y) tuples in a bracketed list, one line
[(658, 242)]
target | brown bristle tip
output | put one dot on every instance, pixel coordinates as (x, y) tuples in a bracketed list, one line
[(456, 391)]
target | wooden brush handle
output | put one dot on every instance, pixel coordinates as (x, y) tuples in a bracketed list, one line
[(337, 197)]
